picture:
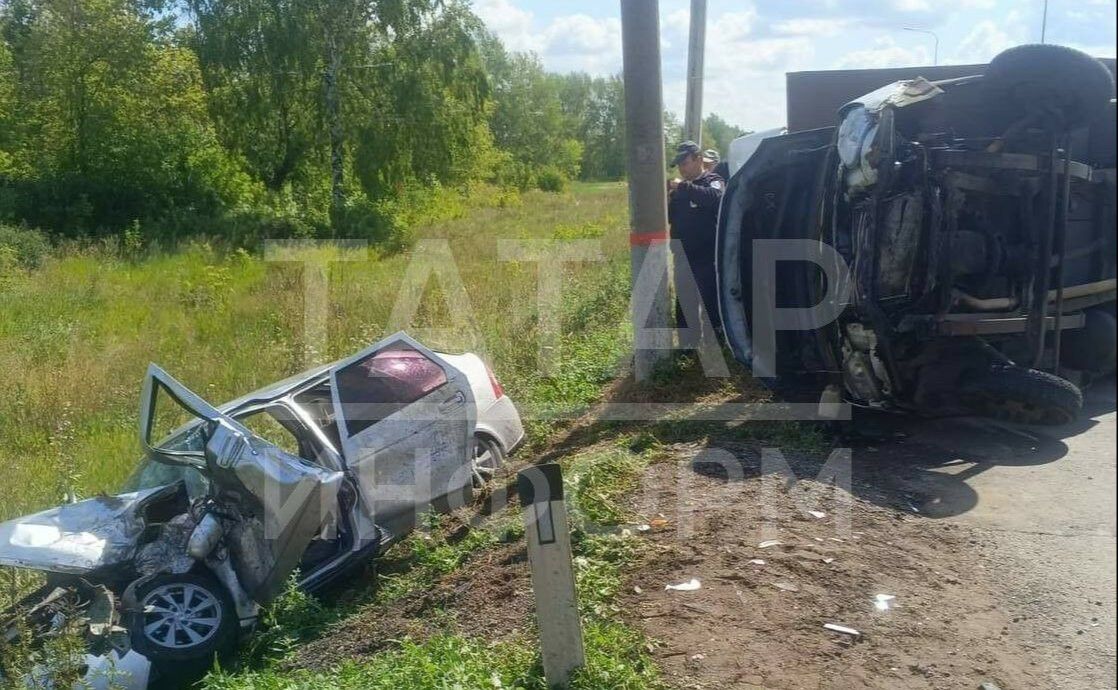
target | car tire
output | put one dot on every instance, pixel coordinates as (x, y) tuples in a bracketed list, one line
[(1022, 396), (197, 615), (1074, 84), (488, 458)]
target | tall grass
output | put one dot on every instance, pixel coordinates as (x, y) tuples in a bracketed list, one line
[(78, 329), (80, 324)]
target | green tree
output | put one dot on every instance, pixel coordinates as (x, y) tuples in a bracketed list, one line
[(346, 101), (113, 123), (603, 130), (260, 61), (594, 113), (529, 119), (7, 109), (718, 133), (421, 107)]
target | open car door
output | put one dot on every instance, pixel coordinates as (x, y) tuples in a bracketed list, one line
[(272, 503), (406, 419)]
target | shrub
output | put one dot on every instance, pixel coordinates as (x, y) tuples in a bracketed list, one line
[(551, 179), (27, 246)]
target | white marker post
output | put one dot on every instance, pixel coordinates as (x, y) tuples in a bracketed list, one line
[(553, 580)]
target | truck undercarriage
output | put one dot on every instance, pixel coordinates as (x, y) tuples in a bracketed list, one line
[(974, 225)]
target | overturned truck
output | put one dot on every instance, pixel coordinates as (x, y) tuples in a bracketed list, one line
[(969, 229)]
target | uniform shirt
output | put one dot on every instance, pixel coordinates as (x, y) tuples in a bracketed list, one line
[(693, 214)]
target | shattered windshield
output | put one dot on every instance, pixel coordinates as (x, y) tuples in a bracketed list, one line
[(152, 473)]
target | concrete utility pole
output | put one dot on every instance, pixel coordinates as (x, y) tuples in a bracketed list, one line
[(648, 195), (696, 56)]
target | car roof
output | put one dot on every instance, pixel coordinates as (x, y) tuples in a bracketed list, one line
[(280, 389)]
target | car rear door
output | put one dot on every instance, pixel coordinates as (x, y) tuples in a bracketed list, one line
[(274, 502), (406, 418)]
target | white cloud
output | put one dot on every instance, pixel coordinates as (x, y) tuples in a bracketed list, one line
[(733, 26), (675, 25), (751, 44), (580, 33), (745, 73), (1100, 51), (912, 5), (580, 42), (512, 24), (988, 38), (576, 42), (811, 26), (984, 41), (885, 52)]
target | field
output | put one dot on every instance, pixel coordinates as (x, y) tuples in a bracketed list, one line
[(81, 327), (79, 330)]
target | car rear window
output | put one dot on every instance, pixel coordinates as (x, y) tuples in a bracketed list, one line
[(383, 383)]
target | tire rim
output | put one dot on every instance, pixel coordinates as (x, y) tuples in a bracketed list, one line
[(484, 462), (181, 616)]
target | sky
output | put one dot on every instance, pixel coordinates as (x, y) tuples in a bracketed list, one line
[(751, 44)]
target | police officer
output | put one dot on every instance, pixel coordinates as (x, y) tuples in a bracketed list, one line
[(693, 214), (711, 158), (714, 163)]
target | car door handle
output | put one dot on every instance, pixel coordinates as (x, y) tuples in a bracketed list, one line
[(457, 400)]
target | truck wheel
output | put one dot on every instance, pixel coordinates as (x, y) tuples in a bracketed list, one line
[(1022, 396), (180, 618), (1032, 77)]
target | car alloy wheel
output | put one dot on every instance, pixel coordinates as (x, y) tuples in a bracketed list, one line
[(487, 459), (181, 616)]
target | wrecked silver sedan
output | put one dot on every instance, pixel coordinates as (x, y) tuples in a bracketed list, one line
[(315, 474)]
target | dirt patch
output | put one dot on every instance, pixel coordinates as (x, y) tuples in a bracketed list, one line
[(758, 621), (489, 596), (706, 511)]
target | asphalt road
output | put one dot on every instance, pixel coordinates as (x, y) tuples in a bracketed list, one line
[(1043, 501)]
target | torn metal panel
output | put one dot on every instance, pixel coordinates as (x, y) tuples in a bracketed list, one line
[(167, 554), (81, 537), (899, 94)]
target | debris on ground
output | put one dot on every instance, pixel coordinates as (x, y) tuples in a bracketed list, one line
[(882, 602), (833, 627), (832, 569), (693, 586)]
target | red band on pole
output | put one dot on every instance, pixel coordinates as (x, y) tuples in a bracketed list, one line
[(643, 239)]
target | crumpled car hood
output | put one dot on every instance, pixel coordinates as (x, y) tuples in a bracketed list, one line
[(79, 538)]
